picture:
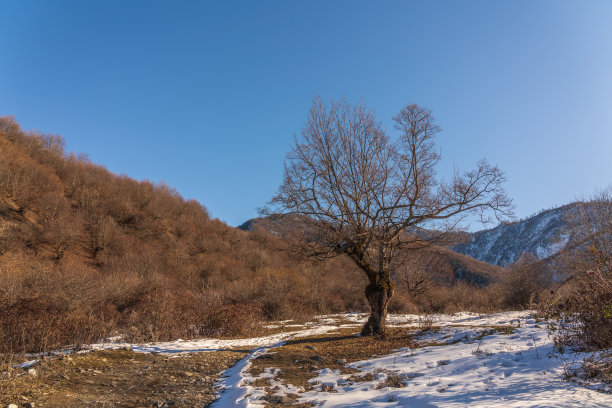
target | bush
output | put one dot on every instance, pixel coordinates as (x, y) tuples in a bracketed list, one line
[(525, 282), (584, 308)]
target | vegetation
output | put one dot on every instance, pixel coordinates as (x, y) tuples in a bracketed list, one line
[(584, 301), (85, 254), (373, 199), (526, 282)]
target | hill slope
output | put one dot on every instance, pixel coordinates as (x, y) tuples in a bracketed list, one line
[(85, 253), (441, 264), (542, 235)]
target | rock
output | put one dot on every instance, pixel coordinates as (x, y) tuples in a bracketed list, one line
[(32, 372), (309, 347), (317, 358), (341, 361), (12, 406), (188, 374), (28, 405)]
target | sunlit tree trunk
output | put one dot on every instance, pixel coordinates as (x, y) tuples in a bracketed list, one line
[(378, 296)]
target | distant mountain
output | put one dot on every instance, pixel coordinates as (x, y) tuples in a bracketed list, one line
[(542, 235)]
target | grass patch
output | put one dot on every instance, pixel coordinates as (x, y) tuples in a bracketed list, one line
[(300, 360)]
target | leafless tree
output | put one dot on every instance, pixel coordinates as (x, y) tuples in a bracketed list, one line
[(359, 193)]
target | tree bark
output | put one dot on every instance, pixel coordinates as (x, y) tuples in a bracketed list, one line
[(378, 296)]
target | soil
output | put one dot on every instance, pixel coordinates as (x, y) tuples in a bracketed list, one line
[(298, 361), (118, 378), (123, 378)]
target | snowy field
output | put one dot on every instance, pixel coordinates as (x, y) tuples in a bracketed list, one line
[(462, 362)]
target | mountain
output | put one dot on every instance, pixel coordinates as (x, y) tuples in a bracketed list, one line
[(542, 235)]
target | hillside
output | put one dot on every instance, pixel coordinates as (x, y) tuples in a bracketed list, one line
[(542, 235), (86, 254), (445, 266)]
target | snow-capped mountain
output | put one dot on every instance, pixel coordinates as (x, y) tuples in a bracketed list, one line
[(542, 235)]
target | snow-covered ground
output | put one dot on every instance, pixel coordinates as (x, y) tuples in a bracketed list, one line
[(503, 370), (469, 365), (201, 345)]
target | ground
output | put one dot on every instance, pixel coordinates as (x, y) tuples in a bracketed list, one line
[(119, 379), (505, 360)]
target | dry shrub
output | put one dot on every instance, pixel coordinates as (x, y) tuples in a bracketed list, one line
[(402, 302), (85, 254), (525, 282), (460, 297), (229, 320), (584, 307), (585, 321)]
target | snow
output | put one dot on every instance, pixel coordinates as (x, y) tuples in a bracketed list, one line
[(520, 370), (211, 344), (473, 366), (26, 364), (233, 383), (542, 235), (462, 361)]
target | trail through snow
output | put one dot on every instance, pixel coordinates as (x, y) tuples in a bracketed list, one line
[(469, 365)]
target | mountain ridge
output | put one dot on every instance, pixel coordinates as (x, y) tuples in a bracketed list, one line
[(543, 235)]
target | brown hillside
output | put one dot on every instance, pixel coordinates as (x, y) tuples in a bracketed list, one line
[(85, 253), (439, 263)]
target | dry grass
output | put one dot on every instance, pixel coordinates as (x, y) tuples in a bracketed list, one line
[(299, 360)]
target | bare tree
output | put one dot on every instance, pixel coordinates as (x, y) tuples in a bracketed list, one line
[(359, 193)]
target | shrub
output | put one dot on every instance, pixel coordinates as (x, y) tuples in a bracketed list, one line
[(525, 282), (584, 309)]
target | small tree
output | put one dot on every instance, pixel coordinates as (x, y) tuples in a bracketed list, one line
[(361, 194)]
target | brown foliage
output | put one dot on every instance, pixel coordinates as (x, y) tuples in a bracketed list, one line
[(525, 282), (85, 254), (583, 303)]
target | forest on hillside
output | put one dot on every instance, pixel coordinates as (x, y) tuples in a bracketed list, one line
[(85, 254)]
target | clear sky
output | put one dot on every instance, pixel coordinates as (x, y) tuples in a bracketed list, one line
[(208, 96)]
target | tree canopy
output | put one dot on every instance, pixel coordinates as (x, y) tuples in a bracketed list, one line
[(361, 193)]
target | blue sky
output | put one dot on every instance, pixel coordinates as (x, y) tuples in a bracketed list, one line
[(208, 96)]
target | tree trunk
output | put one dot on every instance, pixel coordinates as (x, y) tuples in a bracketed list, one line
[(378, 296)]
